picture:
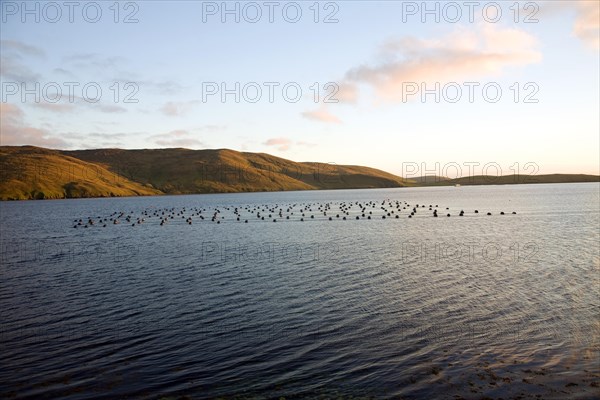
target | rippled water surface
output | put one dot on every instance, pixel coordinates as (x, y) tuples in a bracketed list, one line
[(499, 306)]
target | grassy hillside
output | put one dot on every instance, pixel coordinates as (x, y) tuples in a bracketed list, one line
[(206, 171), (35, 173)]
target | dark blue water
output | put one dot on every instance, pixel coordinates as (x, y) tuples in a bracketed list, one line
[(422, 307)]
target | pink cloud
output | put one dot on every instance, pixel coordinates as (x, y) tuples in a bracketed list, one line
[(281, 143), (347, 92), (14, 131), (321, 115), (587, 18), (587, 23), (484, 50), (177, 109)]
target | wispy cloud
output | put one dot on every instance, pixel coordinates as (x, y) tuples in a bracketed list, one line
[(177, 109), (347, 92), (13, 61), (321, 115), (467, 53), (98, 61), (108, 135), (587, 18), (587, 23), (22, 48), (77, 104), (177, 138), (62, 71), (102, 68), (14, 130), (165, 86), (56, 107), (96, 140), (280, 143)]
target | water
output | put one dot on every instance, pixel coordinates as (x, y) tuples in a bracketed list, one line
[(422, 307)]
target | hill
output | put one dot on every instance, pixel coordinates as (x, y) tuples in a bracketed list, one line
[(178, 171), (29, 172), (515, 179), (36, 173)]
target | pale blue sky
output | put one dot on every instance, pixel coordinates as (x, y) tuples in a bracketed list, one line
[(170, 52)]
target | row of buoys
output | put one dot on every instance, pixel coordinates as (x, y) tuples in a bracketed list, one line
[(274, 212)]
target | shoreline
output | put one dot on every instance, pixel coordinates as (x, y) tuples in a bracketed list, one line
[(302, 190)]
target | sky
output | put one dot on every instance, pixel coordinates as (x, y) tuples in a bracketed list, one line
[(413, 88)]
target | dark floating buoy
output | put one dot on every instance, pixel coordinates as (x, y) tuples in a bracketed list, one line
[(514, 212), (386, 209)]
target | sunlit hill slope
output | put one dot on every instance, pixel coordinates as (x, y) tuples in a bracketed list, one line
[(36, 173), (29, 172)]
